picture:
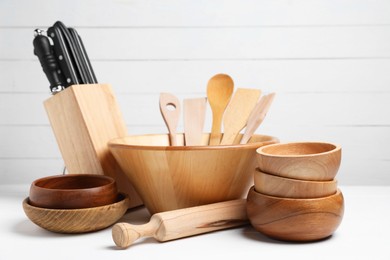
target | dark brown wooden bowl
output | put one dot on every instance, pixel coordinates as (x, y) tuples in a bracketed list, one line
[(295, 219), (73, 191)]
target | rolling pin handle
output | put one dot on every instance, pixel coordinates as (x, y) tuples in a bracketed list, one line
[(124, 234)]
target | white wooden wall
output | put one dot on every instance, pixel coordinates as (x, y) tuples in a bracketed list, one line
[(327, 60)]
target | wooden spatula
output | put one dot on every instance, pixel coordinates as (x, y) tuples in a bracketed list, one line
[(257, 116), (170, 110), (194, 116), (237, 113)]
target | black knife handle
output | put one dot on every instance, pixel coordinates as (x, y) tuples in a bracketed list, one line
[(43, 50)]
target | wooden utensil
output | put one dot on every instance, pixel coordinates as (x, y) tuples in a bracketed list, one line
[(170, 110), (257, 116), (295, 219), (77, 220), (277, 186), (312, 161), (73, 191), (219, 91), (186, 222), (194, 116), (237, 113)]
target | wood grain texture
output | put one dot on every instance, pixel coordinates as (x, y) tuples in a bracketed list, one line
[(277, 186), (194, 113), (173, 177), (185, 222), (84, 118), (295, 219), (237, 113), (316, 161), (219, 91), (77, 220), (257, 116), (73, 191), (170, 110)]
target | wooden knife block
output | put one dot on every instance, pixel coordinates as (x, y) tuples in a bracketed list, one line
[(84, 118)]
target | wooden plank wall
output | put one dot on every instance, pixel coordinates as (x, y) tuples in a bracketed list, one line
[(327, 60)]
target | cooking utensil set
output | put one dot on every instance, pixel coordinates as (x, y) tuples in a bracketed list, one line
[(234, 110)]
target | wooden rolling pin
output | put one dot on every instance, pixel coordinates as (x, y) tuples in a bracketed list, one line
[(185, 222)]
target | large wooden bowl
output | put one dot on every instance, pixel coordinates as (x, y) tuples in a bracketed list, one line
[(77, 220), (316, 161), (292, 188), (295, 219), (73, 191), (172, 177)]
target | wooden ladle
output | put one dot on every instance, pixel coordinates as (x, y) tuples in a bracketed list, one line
[(219, 91), (170, 110)]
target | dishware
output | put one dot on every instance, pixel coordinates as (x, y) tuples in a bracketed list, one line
[(219, 91), (237, 113), (316, 161), (73, 191), (292, 188), (170, 110), (173, 177), (194, 116), (257, 116), (185, 222), (77, 220), (295, 219)]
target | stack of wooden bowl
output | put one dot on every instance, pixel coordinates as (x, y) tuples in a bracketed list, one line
[(295, 195)]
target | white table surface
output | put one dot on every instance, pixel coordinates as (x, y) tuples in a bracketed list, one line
[(363, 234)]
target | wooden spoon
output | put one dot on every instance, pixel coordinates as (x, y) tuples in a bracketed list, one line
[(257, 116), (170, 110), (237, 113), (194, 116), (219, 91)]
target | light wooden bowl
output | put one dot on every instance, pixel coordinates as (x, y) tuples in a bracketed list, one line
[(295, 219), (292, 188), (73, 191), (316, 161), (77, 220), (172, 177)]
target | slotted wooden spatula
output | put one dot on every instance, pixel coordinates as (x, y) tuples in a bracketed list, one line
[(170, 110), (194, 116), (257, 116), (237, 113)]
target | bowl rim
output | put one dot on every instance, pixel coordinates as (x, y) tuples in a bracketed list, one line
[(332, 181), (336, 194), (260, 151), (111, 181), (121, 198), (117, 143)]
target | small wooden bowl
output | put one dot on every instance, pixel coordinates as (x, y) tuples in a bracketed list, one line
[(295, 219), (77, 220), (173, 177), (316, 161), (292, 188), (73, 191)]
